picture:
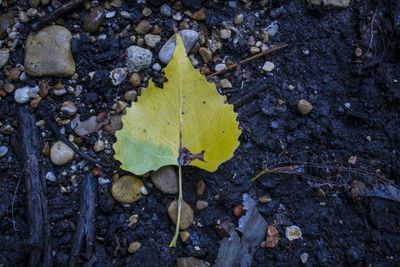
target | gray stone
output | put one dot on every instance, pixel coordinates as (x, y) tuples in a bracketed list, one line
[(3, 151), (22, 95), (166, 10), (138, 58), (86, 127), (4, 56), (189, 38), (60, 153), (166, 179), (48, 52)]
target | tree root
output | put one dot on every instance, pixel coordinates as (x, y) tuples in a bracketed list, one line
[(86, 222)]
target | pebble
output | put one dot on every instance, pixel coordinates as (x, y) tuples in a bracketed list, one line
[(60, 153), (138, 58), (143, 27), (198, 15), (48, 52), (272, 29), (98, 146), (293, 232), (200, 187), (225, 84), (151, 40), (103, 181), (238, 210), (268, 66), (116, 3), (304, 106), (190, 262), (184, 235), (3, 151), (51, 177), (114, 125), (24, 94), (205, 54), (118, 75), (32, 12), (130, 95), (187, 214), (166, 10), (201, 204), (156, 67), (254, 50), (189, 38), (6, 21), (134, 247), (111, 14), (146, 11), (320, 193), (4, 56), (13, 74), (69, 108), (127, 189), (273, 237), (121, 106), (166, 179), (94, 19), (9, 88), (86, 127), (220, 67), (264, 199), (125, 14), (177, 16), (135, 79), (304, 257), (239, 18), (133, 219), (352, 160), (225, 34)]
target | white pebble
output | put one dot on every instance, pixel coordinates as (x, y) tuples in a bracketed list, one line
[(110, 14), (51, 177), (268, 66), (143, 190), (157, 67), (220, 67), (3, 150), (347, 105), (102, 181)]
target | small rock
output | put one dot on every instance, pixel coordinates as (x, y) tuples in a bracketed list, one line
[(60, 153), (22, 95), (225, 34), (135, 79), (184, 235), (3, 151), (201, 204), (9, 88), (51, 177), (48, 52), (205, 54), (273, 237), (133, 219), (239, 18), (156, 67), (110, 14), (268, 66), (356, 188), (127, 189), (293, 232), (336, 3), (98, 146), (152, 40), (4, 56), (304, 257), (272, 29), (190, 262), (133, 247), (187, 214), (264, 199), (130, 95), (304, 106), (86, 127), (69, 108), (13, 74), (320, 193), (198, 15), (125, 14), (166, 10), (238, 210), (166, 179), (225, 84), (116, 3), (200, 187), (6, 21), (138, 58), (32, 12), (189, 38), (94, 19), (220, 67), (352, 160), (118, 75), (114, 125), (254, 50), (143, 27), (146, 11), (121, 106)]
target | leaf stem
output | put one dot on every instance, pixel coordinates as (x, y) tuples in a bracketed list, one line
[(178, 219), (258, 175)]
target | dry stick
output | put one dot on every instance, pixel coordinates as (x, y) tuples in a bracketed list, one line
[(86, 228), (263, 53), (27, 150), (55, 14)]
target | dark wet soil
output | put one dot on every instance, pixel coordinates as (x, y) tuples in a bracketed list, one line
[(346, 230)]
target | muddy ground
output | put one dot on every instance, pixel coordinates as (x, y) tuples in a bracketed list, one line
[(356, 113)]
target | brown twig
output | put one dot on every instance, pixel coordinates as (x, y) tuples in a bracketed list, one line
[(55, 14), (263, 53)]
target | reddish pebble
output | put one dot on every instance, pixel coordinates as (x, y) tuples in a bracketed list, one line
[(273, 237), (238, 210), (96, 172), (100, 117), (3, 93)]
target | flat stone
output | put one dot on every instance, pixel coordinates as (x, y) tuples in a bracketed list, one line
[(86, 127), (187, 214), (127, 189), (94, 19), (189, 38), (4, 56), (166, 179), (138, 58), (48, 52)]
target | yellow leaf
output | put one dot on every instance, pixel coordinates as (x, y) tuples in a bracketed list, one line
[(186, 123)]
